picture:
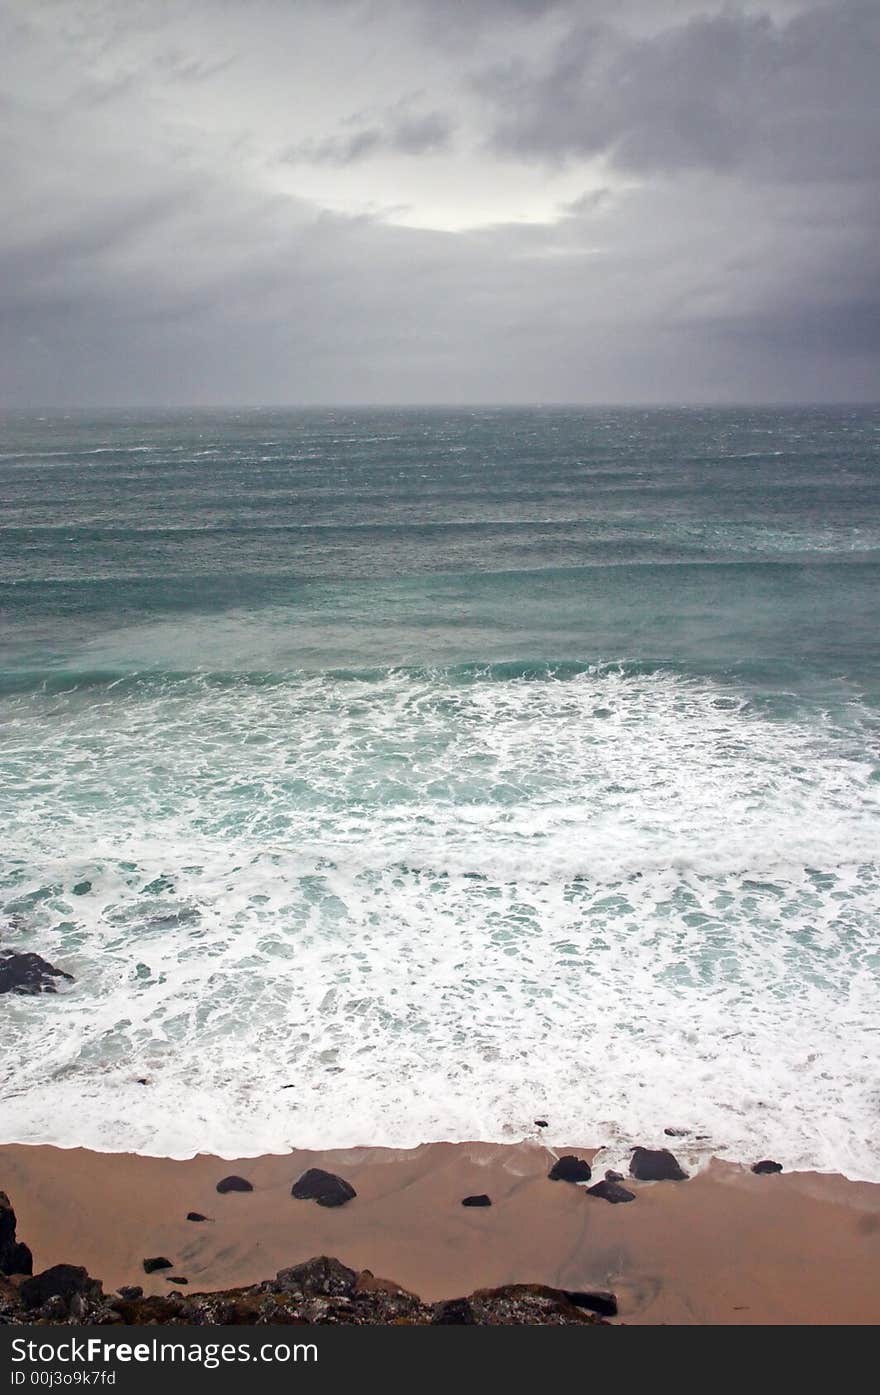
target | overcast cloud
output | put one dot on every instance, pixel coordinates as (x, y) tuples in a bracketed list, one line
[(285, 201)]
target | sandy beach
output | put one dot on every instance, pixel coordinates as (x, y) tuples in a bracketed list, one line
[(724, 1247)]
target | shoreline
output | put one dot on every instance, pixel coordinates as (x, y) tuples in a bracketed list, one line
[(726, 1246)]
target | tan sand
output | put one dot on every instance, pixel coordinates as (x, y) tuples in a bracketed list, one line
[(723, 1247)]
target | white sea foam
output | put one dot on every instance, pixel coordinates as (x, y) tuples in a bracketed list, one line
[(439, 906)]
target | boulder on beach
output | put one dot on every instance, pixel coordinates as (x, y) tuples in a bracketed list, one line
[(568, 1168), (765, 1166), (130, 1292), (324, 1187), (234, 1184), (481, 1200), (152, 1266), (196, 1216), (611, 1191), (594, 1300), (323, 1274), (656, 1165), (63, 1281), (28, 973), (15, 1257)]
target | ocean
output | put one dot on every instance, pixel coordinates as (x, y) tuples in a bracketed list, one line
[(386, 776)]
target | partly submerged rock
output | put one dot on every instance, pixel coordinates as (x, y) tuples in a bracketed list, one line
[(324, 1187), (611, 1191), (568, 1168), (612, 1176), (130, 1291), (196, 1216), (481, 1200), (766, 1165), (15, 1257), (152, 1266), (656, 1165), (28, 973), (234, 1184)]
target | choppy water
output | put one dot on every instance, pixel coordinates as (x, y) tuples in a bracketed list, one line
[(451, 768)]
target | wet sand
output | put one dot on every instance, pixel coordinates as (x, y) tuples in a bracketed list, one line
[(724, 1247)]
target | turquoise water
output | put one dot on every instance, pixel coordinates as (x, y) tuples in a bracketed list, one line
[(452, 768)]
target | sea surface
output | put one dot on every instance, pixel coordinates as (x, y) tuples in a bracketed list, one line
[(387, 776)]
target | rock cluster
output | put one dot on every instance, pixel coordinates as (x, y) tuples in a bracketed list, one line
[(323, 1290), (28, 973)]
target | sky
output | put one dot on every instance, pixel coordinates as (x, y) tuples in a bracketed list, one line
[(454, 201)]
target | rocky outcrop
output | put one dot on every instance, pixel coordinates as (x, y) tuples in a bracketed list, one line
[(655, 1165), (28, 973), (321, 1291), (568, 1168), (324, 1187), (519, 1305), (15, 1257), (766, 1165), (64, 1281)]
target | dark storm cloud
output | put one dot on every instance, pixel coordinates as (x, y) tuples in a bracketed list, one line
[(796, 99)]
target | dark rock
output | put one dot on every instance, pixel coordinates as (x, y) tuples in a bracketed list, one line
[(481, 1200), (612, 1176), (611, 1191), (568, 1168), (766, 1165), (82, 888), (15, 1257), (151, 1266), (676, 1133), (655, 1165), (196, 1216), (527, 1304), (595, 1301), (28, 973), (321, 1291), (324, 1187), (61, 1281), (322, 1275), (541, 1123), (142, 1080), (234, 1184), (172, 1280), (453, 1312), (130, 1291)]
